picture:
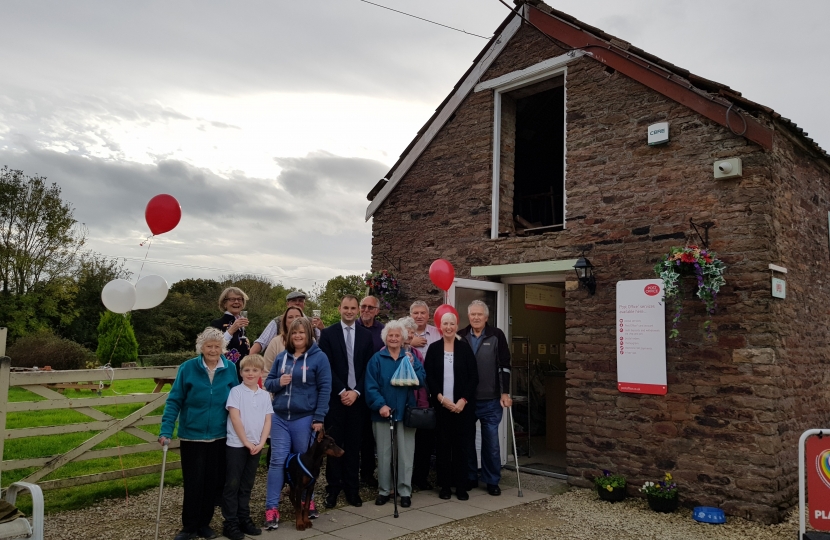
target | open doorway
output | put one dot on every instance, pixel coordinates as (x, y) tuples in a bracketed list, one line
[(537, 334)]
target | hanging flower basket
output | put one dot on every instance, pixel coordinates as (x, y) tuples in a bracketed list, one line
[(691, 261), (383, 285)]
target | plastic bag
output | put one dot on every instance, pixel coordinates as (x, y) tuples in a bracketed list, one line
[(405, 374)]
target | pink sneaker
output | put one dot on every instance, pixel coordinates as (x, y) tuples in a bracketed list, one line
[(272, 519), (312, 510)]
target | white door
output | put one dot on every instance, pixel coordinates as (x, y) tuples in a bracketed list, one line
[(460, 295)]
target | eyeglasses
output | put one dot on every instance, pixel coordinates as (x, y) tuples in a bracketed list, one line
[(367, 308), (229, 299)]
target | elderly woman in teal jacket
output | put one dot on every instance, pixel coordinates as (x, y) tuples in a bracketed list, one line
[(385, 400), (197, 399)]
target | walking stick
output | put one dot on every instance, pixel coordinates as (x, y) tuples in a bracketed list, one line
[(394, 462), (515, 454), (161, 486)]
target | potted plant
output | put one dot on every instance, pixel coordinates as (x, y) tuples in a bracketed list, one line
[(610, 487), (691, 261), (662, 496)]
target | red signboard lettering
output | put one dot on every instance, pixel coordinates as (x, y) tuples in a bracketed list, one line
[(818, 482), (652, 289)]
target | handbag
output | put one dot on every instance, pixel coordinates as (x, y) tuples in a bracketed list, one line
[(419, 417)]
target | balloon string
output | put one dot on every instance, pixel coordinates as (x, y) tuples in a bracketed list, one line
[(145, 240), (150, 239)]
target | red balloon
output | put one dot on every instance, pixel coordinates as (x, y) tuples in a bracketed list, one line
[(442, 310), (163, 213), (442, 273)]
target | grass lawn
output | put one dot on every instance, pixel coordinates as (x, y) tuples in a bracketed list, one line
[(50, 445)]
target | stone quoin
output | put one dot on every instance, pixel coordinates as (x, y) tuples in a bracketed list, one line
[(737, 400)]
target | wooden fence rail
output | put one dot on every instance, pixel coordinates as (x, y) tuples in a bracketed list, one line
[(105, 425)]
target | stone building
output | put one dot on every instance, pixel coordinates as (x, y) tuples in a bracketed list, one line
[(567, 109)]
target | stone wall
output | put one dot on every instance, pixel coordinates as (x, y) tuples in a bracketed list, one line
[(719, 428)]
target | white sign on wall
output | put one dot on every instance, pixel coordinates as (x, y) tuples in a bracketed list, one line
[(641, 337), (779, 288)]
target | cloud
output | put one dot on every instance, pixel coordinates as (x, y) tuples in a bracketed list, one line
[(232, 222)]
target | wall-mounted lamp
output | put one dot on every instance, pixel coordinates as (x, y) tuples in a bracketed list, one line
[(585, 274)]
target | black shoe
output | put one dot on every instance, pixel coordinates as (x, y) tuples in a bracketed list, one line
[(354, 500), (186, 535), (445, 493), (331, 500), (206, 532), (406, 502), (462, 495), (370, 481), (248, 527), (381, 500), (494, 490), (231, 531)]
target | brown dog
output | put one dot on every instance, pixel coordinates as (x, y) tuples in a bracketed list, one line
[(301, 472)]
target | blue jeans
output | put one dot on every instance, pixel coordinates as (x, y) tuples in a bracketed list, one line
[(489, 413), (287, 436)]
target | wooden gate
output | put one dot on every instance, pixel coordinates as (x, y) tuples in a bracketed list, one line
[(39, 382)]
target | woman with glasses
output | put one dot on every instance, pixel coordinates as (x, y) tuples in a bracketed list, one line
[(232, 323)]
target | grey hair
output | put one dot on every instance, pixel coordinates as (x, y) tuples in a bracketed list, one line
[(408, 323), (444, 316), (223, 298), (210, 334), (394, 325), (417, 303), (479, 303)]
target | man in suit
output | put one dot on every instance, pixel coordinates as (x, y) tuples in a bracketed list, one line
[(349, 348)]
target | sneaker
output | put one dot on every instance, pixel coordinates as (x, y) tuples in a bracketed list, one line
[(272, 519), (312, 510)]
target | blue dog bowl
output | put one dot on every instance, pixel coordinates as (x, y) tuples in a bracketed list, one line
[(708, 514)]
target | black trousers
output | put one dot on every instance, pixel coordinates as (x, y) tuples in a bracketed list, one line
[(203, 475), (345, 425), (453, 432), (424, 447), (367, 447), (240, 475)]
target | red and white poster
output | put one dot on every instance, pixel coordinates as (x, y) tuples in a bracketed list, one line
[(641, 337), (545, 298), (817, 462)]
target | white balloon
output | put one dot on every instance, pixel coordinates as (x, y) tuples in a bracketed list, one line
[(118, 296), (150, 291)]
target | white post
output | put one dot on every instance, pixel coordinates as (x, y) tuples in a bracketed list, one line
[(3, 333)]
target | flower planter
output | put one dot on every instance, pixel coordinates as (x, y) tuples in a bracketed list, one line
[(615, 495), (662, 504)]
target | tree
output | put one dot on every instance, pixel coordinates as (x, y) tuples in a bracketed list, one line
[(173, 325), (39, 237), (328, 298), (116, 340), (92, 273)]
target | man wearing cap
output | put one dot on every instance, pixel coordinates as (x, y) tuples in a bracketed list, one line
[(293, 299)]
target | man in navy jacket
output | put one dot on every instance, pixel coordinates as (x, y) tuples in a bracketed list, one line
[(349, 348)]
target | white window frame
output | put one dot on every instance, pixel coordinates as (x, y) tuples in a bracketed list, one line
[(546, 69)]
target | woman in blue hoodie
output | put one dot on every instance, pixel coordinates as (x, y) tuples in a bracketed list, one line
[(197, 399), (385, 400), (300, 380)]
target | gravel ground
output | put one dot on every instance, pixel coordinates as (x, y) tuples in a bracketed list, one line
[(571, 514)]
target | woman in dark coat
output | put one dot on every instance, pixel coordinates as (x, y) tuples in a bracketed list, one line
[(232, 301), (452, 378)]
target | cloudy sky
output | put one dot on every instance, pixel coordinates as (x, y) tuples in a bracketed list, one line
[(270, 120)]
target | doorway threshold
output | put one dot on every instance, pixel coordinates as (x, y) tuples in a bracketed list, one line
[(540, 469)]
